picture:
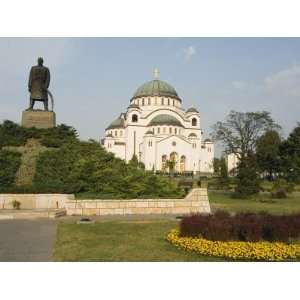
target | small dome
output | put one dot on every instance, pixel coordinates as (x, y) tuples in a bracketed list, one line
[(192, 135), (133, 105), (118, 123), (156, 88), (165, 120), (149, 132), (192, 109), (207, 141)]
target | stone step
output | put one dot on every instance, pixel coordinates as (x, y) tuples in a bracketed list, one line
[(7, 214)]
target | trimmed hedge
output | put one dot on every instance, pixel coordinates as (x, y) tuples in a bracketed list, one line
[(248, 227)]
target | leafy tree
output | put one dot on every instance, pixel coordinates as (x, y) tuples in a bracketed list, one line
[(240, 131), (267, 153), (239, 134), (290, 155)]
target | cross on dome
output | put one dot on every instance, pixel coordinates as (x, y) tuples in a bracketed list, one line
[(156, 73)]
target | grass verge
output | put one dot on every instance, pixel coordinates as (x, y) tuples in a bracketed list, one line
[(120, 241)]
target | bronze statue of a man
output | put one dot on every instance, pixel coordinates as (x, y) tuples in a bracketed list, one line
[(38, 84)]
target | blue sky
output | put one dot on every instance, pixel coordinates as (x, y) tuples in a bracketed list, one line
[(93, 79)]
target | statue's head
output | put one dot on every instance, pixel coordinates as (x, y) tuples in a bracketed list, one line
[(40, 61)]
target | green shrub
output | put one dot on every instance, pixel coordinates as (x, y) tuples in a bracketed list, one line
[(281, 188), (12, 134), (16, 204), (85, 167), (9, 165)]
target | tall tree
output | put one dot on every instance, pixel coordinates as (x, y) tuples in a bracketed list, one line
[(239, 134), (247, 177), (267, 153), (290, 155), (240, 131)]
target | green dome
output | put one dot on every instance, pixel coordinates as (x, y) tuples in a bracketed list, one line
[(165, 120), (118, 123), (192, 109), (156, 88)]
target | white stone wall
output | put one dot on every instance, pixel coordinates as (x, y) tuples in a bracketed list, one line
[(195, 202), (231, 161), (35, 201), (207, 157)]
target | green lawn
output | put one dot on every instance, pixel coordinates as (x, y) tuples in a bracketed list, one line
[(263, 202), (120, 241), (145, 240)]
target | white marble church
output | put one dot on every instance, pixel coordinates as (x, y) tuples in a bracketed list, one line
[(157, 130)]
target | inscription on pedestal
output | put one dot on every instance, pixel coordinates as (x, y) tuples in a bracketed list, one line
[(38, 119)]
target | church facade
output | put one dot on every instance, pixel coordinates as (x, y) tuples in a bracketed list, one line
[(160, 132)]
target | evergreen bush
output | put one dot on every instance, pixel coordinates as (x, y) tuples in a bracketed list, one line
[(9, 165)]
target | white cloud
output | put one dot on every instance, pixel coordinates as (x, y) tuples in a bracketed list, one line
[(238, 84), (284, 83), (189, 52)]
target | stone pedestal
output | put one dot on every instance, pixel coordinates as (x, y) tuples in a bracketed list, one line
[(38, 119)]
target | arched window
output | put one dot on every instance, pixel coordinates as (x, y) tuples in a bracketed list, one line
[(182, 164), (149, 101), (175, 130), (173, 103), (174, 160), (116, 133), (194, 122), (143, 101), (134, 118), (170, 129), (168, 101), (158, 130), (162, 101)]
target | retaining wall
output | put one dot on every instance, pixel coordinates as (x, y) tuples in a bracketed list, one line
[(195, 202), (35, 201)]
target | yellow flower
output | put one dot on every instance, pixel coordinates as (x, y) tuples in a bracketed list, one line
[(236, 250)]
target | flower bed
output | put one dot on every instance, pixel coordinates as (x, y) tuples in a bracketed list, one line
[(236, 249)]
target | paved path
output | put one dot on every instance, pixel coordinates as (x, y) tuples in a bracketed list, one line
[(26, 240)]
